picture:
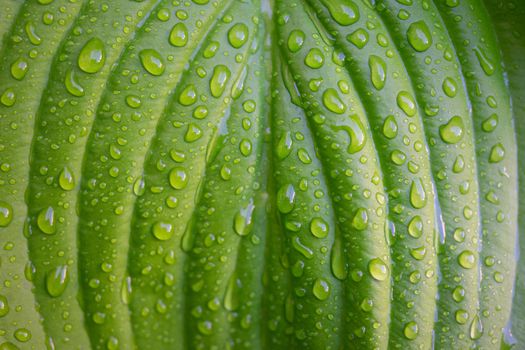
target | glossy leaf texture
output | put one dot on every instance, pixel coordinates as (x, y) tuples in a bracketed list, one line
[(262, 174)]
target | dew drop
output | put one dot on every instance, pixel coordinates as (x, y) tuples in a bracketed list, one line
[(221, 75), (162, 230), (332, 101), (243, 221), (377, 71), (188, 96), (497, 153), (321, 289), (46, 221), (406, 102), (6, 214), (57, 280), (284, 145), (490, 123), (411, 330), (8, 97), (66, 180), (319, 227), (415, 227), (19, 69), (286, 199), (296, 40), (418, 197), (72, 85), (390, 127), (467, 259), (452, 132), (152, 62), (486, 64), (360, 220), (193, 133), (450, 87), (4, 306), (92, 56), (359, 38), (314, 59), (238, 35), (179, 35), (419, 36), (343, 12), (378, 269), (476, 328), (178, 178)]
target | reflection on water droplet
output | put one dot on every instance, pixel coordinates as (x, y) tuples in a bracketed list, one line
[(92, 56), (57, 280), (419, 36)]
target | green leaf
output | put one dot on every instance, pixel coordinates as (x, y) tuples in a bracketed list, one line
[(287, 174)]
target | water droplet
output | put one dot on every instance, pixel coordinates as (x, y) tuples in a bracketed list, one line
[(360, 220), (6, 214), (458, 294), (66, 180), (415, 227), (467, 259), (19, 69), (359, 38), (490, 123), (406, 102), (32, 35), (296, 40), (452, 132), (152, 61), (486, 64), (461, 316), (211, 49), (398, 157), (476, 328), (284, 146), (319, 227), (301, 248), (497, 153), (4, 306), (286, 199), (243, 221), (193, 133), (133, 101), (22, 335), (321, 289), (343, 12), (231, 296), (418, 253), (411, 330), (450, 87), (178, 178), (337, 262), (459, 164), (205, 327), (419, 36), (72, 85), (163, 230), (57, 280), (390, 127), (46, 221), (188, 96), (125, 290), (332, 101), (418, 197), (8, 97), (314, 59), (378, 269), (92, 57), (221, 75), (237, 35), (179, 35), (377, 71)]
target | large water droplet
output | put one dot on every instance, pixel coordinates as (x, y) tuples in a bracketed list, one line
[(476, 328), (284, 146), (193, 133), (314, 59), (46, 220), (296, 40), (178, 178), (332, 101), (19, 69), (406, 102), (467, 259), (188, 96), (237, 35), (92, 57), (419, 36), (343, 12), (452, 132), (66, 180), (72, 85), (243, 221), (497, 153), (57, 280), (359, 38), (377, 71), (179, 35), (6, 214), (321, 289), (486, 64), (286, 198), (415, 227), (152, 61), (418, 196), (221, 75), (163, 230), (411, 330), (319, 227), (4, 306), (378, 269), (390, 127), (360, 220)]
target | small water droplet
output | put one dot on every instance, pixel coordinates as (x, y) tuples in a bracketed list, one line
[(411, 330), (406, 102), (390, 127), (450, 87), (19, 69), (284, 145), (286, 199), (72, 85), (359, 38), (418, 197), (8, 97), (188, 96), (360, 220), (243, 221), (415, 227), (497, 153), (193, 133), (66, 180), (314, 59), (486, 64)]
